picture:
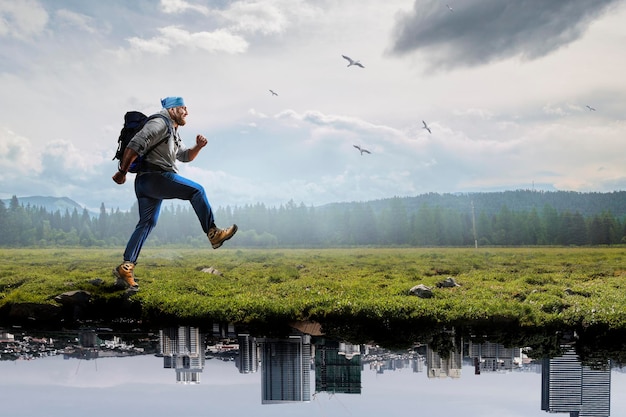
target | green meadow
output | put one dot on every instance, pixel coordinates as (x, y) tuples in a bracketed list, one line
[(359, 290)]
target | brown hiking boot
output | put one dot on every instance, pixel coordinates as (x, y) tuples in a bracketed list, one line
[(218, 236), (126, 276)]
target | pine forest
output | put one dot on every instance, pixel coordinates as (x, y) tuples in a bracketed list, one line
[(509, 218)]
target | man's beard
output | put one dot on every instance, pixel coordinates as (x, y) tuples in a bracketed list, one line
[(180, 120)]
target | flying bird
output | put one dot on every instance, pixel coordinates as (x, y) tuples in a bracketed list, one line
[(273, 93), (591, 108), (426, 127), (361, 149), (353, 62), (449, 8)]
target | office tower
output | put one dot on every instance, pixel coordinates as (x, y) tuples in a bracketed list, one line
[(569, 387), (183, 349), (248, 359), (286, 369), (443, 367), (337, 367), (440, 367)]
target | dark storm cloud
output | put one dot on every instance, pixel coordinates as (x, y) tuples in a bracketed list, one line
[(481, 31)]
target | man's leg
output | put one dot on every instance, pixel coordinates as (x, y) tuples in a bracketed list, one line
[(149, 209), (173, 185)]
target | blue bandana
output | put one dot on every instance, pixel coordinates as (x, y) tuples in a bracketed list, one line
[(169, 102)]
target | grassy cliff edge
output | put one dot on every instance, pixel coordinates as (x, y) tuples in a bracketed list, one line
[(340, 288)]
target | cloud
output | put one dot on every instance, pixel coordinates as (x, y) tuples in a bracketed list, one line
[(80, 21), (258, 114), (241, 16), (22, 19), (232, 27), (61, 158), (172, 37), (59, 169), (481, 114), (266, 17), (181, 6), (562, 110), (17, 156), (482, 31), (338, 122), (256, 17)]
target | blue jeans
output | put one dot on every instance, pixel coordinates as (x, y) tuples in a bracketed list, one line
[(151, 188)]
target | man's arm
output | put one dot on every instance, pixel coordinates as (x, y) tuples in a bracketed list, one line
[(127, 159), (200, 143)]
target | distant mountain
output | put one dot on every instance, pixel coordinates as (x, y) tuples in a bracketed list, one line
[(51, 204)]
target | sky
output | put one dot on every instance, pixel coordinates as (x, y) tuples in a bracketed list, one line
[(503, 85), (139, 385)]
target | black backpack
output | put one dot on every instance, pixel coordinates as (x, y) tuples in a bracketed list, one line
[(133, 122)]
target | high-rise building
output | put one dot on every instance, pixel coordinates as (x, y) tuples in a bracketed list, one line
[(183, 350), (444, 366), (567, 386), (286, 369), (337, 367), (248, 359)]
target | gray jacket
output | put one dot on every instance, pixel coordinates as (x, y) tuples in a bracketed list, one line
[(165, 155)]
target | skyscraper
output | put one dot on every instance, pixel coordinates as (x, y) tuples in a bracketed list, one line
[(444, 366), (569, 387), (286, 369), (248, 359), (337, 367), (183, 349)]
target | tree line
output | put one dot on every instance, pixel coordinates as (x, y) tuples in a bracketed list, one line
[(483, 219)]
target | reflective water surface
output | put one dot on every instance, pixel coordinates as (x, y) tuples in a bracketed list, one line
[(185, 372)]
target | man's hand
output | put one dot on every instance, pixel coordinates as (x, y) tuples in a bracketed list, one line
[(119, 177), (201, 141)]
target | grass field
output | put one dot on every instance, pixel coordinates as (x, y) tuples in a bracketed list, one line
[(526, 286)]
